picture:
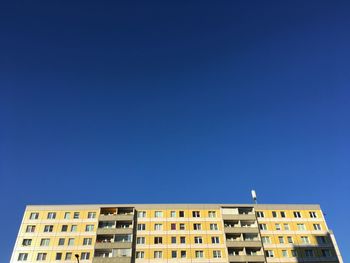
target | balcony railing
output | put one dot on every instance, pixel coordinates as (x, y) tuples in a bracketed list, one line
[(238, 230), (243, 243), (246, 258), (245, 216), (112, 259)]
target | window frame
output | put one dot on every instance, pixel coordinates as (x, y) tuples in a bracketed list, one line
[(22, 256), (34, 216), (51, 215)]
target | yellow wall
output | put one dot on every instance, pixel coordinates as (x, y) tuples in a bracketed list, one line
[(188, 220), (56, 234), (294, 232)]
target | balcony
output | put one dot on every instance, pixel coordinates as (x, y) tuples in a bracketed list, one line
[(247, 216), (111, 260), (112, 255), (243, 243), (238, 230), (108, 242), (246, 258), (110, 245), (116, 217), (114, 214), (114, 230)]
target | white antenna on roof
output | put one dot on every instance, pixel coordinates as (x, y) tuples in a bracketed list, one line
[(254, 196)]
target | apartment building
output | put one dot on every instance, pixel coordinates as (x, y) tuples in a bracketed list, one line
[(157, 233)]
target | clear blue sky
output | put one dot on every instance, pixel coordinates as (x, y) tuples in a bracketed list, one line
[(182, 101)]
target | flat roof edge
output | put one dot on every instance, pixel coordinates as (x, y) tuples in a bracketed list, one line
[(169, 205)]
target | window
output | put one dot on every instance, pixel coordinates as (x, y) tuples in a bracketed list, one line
[(317, 227), (313, 214), (197, 226), (294, 253), (22, 257), (199, 253), (196, 214), (44, 242), (182, 227), (87, 241), (91, 215), (216, 254), (301, 227), (181, 214), (140, 240), (141, 227), (183, 254), (34, 216), (61, 242), (85, 255), (274, 214), (64, 228), (290, 240), (76, 215), (173, 226), (158, 214), (215, 240), (309, 253), (173, 254), (281, 239), (278, 226), (158, 254), (213, 226), (26, 242), (260, 214), (321, 240), (286, 226), (30, 229), (41, 256), (266, 240), (67, 215), (73, 228), (48, 228), (198, 240), (140, 254), (173, 240), (297, 214), (58, 256), (68, 256), (158, 226), (212, 214), (71, 242), (283, 214), (51, 215), (263, 226), (183, 240), (158, 240), (89, 228), (284, 253), (326, 253), (141, 214), (305, 240), (173, 214), (269, 254)]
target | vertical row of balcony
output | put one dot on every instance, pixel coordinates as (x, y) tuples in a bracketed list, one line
[(242, 235), (114, 238)]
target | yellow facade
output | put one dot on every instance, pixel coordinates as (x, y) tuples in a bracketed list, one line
[(46, 238), (181, 235), (175, 233), (296, 234)]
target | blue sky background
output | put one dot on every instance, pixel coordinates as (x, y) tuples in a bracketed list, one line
[(180, 101)]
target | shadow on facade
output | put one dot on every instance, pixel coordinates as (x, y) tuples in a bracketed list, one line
[(325, 250)]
